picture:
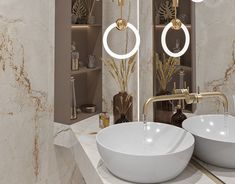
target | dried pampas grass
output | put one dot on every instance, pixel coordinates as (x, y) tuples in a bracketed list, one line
[(165, 69), (121, 73)]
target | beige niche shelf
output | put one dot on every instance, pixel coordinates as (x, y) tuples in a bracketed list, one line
[(88, 82)]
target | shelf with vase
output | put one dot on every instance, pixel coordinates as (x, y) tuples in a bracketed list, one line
[(83, 70), (123, 100), (77, 23)]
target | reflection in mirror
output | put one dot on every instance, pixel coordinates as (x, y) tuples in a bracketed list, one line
[(170, 73)]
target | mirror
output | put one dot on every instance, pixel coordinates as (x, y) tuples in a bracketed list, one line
[(88, 81)]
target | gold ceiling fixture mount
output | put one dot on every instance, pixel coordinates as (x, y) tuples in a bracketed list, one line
[(120, 2), (175, 3), (176, 22), (121, 23)]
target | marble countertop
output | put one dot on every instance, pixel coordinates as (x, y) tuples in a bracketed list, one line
[(80, 137), (226, 175)]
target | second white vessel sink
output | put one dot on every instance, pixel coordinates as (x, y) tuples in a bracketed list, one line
[(215, 138), (141, 153)]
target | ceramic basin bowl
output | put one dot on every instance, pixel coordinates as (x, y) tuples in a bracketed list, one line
[(141, 153), (215, 138)]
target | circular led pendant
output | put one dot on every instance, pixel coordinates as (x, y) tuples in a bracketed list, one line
[(117, 56), (163, 40)]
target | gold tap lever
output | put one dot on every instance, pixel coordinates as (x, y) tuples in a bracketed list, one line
[(190, 98)]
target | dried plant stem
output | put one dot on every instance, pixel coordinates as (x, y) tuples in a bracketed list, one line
[(165, 70), (125, 104), (122, 73), (92, 7)]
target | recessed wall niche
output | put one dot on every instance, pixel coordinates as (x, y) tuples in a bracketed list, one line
[(88, 40), (184, 77), (85, 39)]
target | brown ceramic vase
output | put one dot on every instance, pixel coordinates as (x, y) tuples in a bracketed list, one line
[(122, 106)]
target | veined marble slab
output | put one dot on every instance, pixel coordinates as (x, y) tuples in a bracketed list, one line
[(92, 167), (226, 175)]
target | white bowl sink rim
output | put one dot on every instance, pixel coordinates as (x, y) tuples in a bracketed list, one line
[(214, 134), (143, 154), (190, 139), (214, 138)]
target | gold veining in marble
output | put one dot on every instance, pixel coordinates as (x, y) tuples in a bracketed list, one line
[(229, 72), (12, 61)]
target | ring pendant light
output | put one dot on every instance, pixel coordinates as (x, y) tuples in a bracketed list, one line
[(175, 24), (121, 24)]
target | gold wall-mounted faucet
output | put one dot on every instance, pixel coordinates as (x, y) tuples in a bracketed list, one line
[(190, 98)]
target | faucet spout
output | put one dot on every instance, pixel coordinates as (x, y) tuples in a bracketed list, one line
[(219, 95), (190, 98), (158, 99)]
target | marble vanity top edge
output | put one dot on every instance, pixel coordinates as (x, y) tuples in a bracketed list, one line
[(81, 136)]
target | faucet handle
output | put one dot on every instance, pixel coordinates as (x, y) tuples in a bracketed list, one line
[(181, 91), (185, 90), (198, 89), (174, 88), (185, 86)]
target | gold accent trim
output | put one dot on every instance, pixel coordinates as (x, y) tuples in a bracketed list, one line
[(175, 3), (121, 24), (176, 24), (206, 171), (93, 133), (120, 2)]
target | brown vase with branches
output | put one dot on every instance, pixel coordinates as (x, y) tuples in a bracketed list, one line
[(122, 101), (122, 107), (165, 69)]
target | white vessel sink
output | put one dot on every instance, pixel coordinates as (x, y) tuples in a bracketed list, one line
[(145, 154), (215, 138)]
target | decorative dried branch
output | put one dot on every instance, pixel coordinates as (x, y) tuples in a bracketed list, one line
[(122, 73), (125, 105), (166, 10), (80, 8), (90, 5), (165, 70)]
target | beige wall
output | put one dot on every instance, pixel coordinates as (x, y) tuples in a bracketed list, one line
[(215, 33), (26, 80), (27, 154)]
